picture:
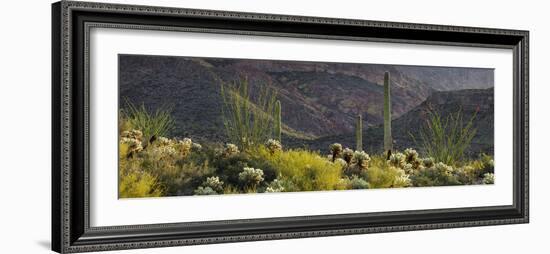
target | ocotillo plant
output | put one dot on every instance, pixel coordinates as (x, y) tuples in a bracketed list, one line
[(387, 115), (278, 121), (359, 133)]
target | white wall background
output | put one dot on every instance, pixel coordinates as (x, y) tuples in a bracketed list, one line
[(25, 125)]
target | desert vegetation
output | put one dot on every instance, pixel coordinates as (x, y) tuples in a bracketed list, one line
[(254, 159)]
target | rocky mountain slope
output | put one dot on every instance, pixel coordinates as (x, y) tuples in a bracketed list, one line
[(470, 102), (321, 100)]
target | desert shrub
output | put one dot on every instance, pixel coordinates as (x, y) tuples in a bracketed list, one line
[(139, 184), (483, 165), (306, 170), (133, 182), (446, 138), (183, 178), (205, 191), (178, 174), (439, 174), (356, 183), (229, 167), (230, 189), (155, 124), (383, 175)]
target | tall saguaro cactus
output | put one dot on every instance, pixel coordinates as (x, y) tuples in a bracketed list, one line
[(359, 133), (278, 123), (388, 146)]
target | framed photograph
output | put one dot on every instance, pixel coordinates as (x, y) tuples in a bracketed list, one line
[(181, 126)]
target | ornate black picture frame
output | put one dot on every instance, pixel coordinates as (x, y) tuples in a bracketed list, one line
[(71, 230)]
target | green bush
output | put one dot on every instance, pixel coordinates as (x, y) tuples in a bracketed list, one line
[(439, 174), (383, 175), (308, 171)]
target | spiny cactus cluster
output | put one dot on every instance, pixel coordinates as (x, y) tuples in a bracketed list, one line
[(275, 186), (360, 159), (336, 151), (273, 146), (214, 183), (230, 150), (132, 139), (251, 177), (185, 146), (347, 154), (428, 162), (397, 160), (489, 178), (164, 151)]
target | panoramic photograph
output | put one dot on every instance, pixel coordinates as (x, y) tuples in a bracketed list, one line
[(212, 126)]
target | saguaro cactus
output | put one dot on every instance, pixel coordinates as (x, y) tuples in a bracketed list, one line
[(359, 133), (278, 123), (387, 115)]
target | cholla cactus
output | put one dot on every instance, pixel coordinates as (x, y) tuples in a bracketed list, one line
[(428, 162), (408, 168), (275, 186), (134, 145), (402, 179), (162, 141), (132, 139), (273, 146), (214, 183), (230, 150), (360, 159), (164, 151), (196, 147), (488, 178), (135, 134), (397, 160), (443, 168), (411, 155), (347, 154), (205, 191), (336, 151), (251, 177), (185, 146)]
